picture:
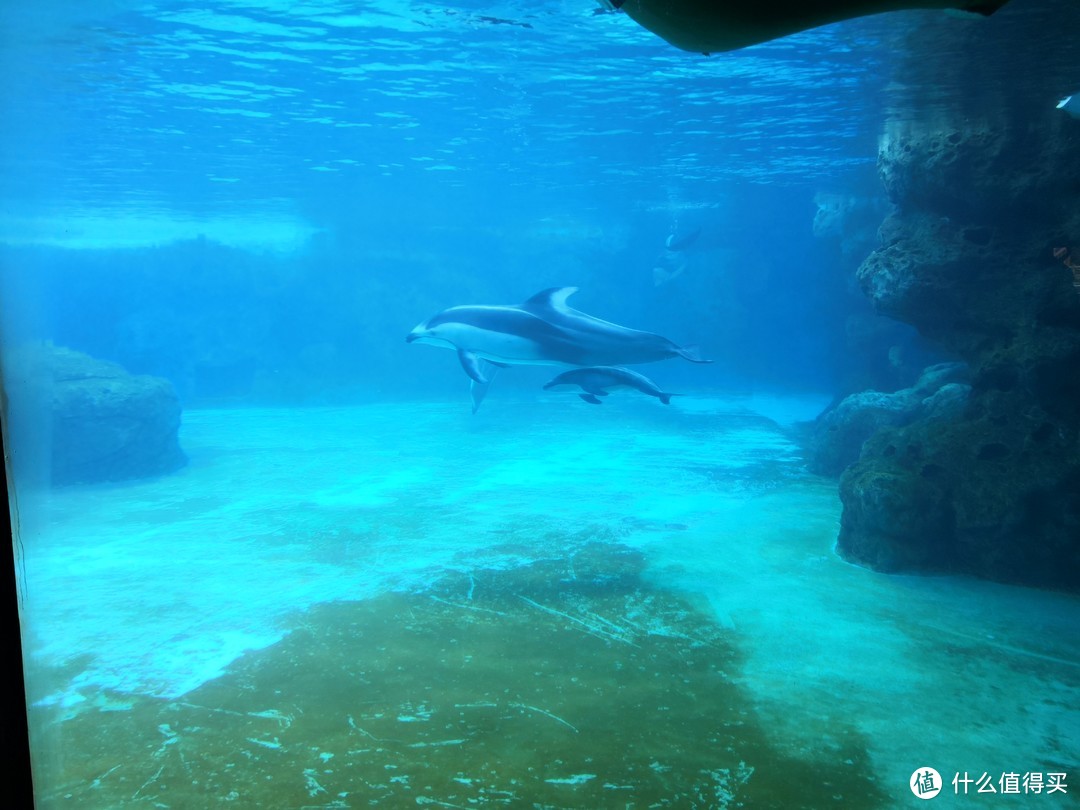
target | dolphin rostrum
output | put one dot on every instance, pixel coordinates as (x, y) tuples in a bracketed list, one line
[(595, 380), (543, 331)]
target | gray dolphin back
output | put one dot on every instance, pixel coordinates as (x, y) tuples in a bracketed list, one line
[(602, 343)]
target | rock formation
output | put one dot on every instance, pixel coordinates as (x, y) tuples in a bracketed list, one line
[(100, 423), (982, 193), (838, 434)]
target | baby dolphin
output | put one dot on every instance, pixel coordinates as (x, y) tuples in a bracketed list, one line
[(594, 380)]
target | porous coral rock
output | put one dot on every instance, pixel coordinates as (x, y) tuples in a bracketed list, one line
[(981, 193)]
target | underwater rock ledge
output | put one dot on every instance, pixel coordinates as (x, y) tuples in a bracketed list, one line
[(965, 257), (105, 424), (837, 436)]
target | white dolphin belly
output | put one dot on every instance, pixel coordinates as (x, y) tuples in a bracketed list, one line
[(500, 347)]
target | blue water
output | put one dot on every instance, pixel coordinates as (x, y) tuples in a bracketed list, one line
[(357, 593)]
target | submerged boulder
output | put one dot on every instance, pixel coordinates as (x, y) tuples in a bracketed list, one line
[(996, 495), (102, 423), (837, 436)]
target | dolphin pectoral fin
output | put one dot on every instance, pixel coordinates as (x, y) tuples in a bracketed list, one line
[(665, 398), (471, 363), (553, 298), (591, 399), (478, 390)]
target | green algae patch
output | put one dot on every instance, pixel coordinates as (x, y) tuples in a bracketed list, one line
[(564, 683)]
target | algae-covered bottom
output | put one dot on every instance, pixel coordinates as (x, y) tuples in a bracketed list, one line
[(567, 683)]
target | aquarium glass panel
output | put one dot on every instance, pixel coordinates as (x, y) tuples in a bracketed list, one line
[(645, 404)]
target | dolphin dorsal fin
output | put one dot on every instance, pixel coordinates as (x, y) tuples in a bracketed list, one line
[(553, 298)]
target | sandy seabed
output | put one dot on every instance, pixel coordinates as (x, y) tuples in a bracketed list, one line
[(549, 604)]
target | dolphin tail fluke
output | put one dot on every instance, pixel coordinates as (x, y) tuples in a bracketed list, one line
[(592, 399), (666, 398), (692, 353)]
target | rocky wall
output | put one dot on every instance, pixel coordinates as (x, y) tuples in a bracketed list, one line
[(981, 197)]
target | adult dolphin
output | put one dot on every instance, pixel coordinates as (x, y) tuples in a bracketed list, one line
[(542, 331)]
